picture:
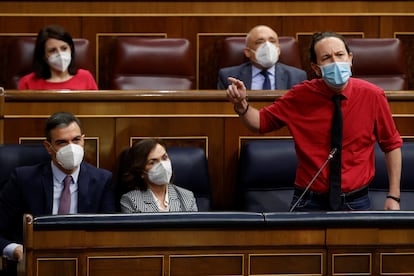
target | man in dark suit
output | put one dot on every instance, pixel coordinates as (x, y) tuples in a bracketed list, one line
[(262, 49), (39, 189)]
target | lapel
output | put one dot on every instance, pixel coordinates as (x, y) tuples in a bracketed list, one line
[(46, 180), (149, 204), (280, 78), (84, 180), (174, 200), (246, 75)]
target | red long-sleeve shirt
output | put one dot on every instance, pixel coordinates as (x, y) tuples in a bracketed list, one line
[(307, 111), (83, 80)]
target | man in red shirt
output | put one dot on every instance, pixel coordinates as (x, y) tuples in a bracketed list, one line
[(307, 110)]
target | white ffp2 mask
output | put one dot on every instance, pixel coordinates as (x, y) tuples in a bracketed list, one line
[(60, 61), (161, 173), (70, 156), (267, 54)]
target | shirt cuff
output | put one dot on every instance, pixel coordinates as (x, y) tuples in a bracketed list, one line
[(9, 249)]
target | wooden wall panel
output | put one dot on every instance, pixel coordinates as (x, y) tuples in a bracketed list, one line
[(343, 24), (50, 266), (207, 7), (206, 264), (124, 265), (287, 264)]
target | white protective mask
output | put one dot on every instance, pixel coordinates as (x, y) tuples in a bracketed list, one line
[(70, 156), (267, 54), (160, 173), (60, 61)]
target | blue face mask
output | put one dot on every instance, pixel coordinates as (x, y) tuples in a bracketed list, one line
[(336, 73)]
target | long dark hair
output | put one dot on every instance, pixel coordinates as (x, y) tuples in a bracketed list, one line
[(41, 67)]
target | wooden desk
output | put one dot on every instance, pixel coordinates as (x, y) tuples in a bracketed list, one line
[(221, 243)]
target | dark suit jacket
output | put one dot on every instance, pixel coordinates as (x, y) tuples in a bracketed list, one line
[(286, 76), (30, 190)]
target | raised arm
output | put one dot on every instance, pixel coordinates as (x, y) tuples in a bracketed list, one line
[(236, 93)]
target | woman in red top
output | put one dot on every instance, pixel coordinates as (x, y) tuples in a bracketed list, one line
[(53, 64)]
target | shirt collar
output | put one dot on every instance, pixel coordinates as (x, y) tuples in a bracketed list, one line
[(256, 71), (346, 93), (166, 198), (59, 175)]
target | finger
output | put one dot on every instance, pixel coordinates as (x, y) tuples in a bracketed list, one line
[(231, 92), (236, 82), (232, 80)]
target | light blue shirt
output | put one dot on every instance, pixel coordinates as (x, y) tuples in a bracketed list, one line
[(258, 79), (58, 177)]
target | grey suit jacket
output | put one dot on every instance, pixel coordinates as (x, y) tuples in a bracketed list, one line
[(285, 76), (137, 201)]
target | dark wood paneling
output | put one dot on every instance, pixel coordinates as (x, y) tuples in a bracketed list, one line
[(220, 264), (124, 265), (53, 266), (287, 264)]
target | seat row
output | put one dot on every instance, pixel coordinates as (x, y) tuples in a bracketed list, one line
[(189, 166), (266, 173), (168, 63)]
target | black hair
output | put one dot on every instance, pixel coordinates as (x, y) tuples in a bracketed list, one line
[(318, 36), (41, 67), (58, 120)]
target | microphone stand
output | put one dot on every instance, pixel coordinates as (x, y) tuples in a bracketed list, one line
[(330, 156)]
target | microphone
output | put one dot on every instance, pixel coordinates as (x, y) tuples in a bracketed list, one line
[(330, 156)]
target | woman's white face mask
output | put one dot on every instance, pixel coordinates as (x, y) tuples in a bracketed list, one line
[(60, 61), (160, 173)]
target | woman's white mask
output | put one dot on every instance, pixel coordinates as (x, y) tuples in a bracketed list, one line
[(160, 173), (60, 61)]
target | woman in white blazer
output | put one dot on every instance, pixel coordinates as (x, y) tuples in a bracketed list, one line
[(148, 176)]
